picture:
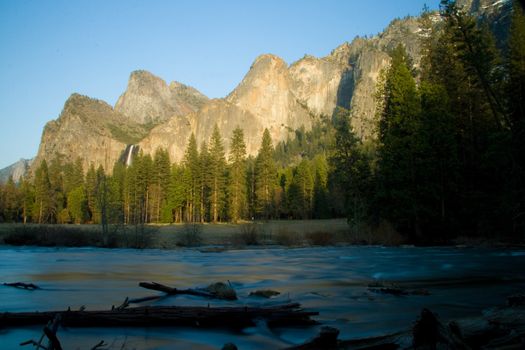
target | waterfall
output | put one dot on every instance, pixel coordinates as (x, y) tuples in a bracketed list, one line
[(130, 155)]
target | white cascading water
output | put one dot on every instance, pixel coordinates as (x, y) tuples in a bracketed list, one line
[(130, 154)]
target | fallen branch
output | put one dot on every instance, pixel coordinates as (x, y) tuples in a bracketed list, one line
[(229, 317), (214, 291), (50, 331), (124, 305), (99, 345), (22, 285)]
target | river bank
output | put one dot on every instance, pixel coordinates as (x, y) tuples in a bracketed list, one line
[(296, 233), (285, 233)]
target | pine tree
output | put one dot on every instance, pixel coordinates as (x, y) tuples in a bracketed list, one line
[(116, 205), (251, 186), (27, 194), (438, 173), (129, 194), (476, 49), (351, 171), (91, 195), (217, 174), (237, 178), (190, 177), (204, 183), (11, 201), (173, 209), (516, 72), (73, 175), (265, 177), (516, 109), (399, 152), (43, 208), (321, 203), (56, 178), (144, 165), (102, 200), (77, 204), (160, 181), (305, 182)]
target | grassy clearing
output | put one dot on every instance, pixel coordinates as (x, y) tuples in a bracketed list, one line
[(298, 233)]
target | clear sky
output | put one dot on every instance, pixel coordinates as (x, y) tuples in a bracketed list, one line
[(50, 49)]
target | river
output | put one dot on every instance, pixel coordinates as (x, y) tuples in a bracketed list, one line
[(333, 281)]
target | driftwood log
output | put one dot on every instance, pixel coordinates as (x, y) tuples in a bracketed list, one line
[(214, 291), (222, 317), (22, 285)]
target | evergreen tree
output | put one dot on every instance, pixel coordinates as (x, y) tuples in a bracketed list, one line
[(77, 204), (475, 48), (160, 181), (265, 177), (516, 110), (217, 174), (73, 175), (11, 201), (190, 178), (304, 181), (321, 203), (91, 195), (116, 204), (27, 199), (56, 179), (237, 178), (43, 208), (205, 180), (399, 151), (251, 186), (144, 166), (351, 172), (438, 173), (173, 210)]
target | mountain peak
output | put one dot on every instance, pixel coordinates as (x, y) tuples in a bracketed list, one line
[(269, 61), (149, 100), (144, 80), (84, 107)]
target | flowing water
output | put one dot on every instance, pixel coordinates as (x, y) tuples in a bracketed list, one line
[(333, 281)]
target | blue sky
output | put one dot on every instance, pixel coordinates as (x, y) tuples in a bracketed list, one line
[(50, 49)]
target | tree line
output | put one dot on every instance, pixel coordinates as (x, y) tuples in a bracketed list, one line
[(208, 185)]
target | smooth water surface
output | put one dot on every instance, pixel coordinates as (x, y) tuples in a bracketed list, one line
[(333, 281)]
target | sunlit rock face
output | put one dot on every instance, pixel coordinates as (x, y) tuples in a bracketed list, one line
[(149, 100), (88, 129), (266, 92), (317, 81), (174, 134), (16, 170)]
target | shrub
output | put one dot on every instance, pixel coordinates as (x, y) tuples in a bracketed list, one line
[(191, 235), (287, 238), (248, 235)]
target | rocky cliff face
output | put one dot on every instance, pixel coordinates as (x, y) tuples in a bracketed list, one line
[(16, 170), (149, 100), (174, 134), (88, 129)]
